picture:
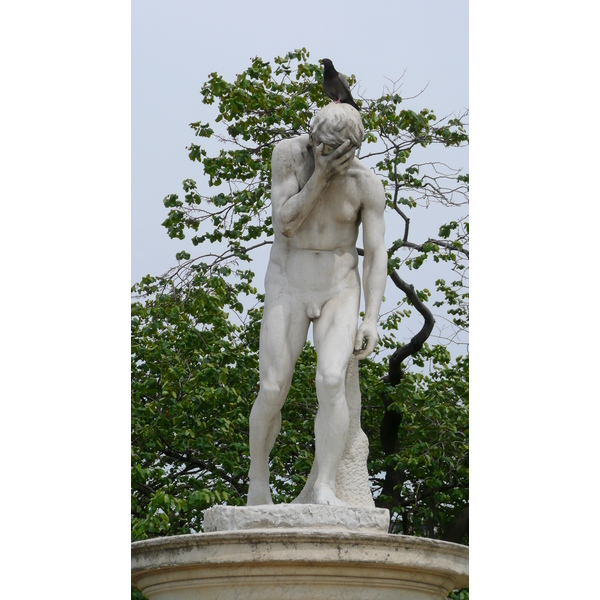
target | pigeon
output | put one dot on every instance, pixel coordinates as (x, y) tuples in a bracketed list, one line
[(335, 84)]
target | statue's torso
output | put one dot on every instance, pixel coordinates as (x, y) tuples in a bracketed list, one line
[(321, 257)]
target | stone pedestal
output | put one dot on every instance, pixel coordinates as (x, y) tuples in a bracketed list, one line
[(294, 516), (339, 557)]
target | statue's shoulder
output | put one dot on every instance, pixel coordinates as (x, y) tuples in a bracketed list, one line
[(364, 174), (370, 186), (290, 148), (360, 168)]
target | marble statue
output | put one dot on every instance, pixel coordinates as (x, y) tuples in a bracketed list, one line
[(320, 193)]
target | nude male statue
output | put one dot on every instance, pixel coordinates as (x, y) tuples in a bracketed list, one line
[(320, 195)]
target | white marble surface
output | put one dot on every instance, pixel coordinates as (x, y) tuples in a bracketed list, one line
[(303, 516)]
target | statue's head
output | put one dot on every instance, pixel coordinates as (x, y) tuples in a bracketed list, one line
[(334, 124)]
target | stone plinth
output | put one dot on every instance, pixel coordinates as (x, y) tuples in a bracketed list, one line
[(302, 516), (297, 564)]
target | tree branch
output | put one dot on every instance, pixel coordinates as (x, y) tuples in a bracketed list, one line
[(416, 343), (187, 459), (402, 353), (443, 243)]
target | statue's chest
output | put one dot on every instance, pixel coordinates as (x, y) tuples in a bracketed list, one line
[(339, 203)]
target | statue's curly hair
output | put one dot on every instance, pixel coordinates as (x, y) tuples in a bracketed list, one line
[(336, 123)]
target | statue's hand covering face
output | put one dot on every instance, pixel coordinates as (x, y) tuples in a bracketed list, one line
[(335, 124)]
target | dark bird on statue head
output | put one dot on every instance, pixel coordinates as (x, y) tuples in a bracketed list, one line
[(335, 84)]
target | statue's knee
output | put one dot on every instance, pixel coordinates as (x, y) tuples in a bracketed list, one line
[(272, 393), (330, 382)]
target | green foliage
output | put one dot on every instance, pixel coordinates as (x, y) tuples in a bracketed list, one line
[(194, 374), (431, 462), (137, 595), (195, 346)]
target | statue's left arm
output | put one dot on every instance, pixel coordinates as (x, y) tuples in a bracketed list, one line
[(374, 265)]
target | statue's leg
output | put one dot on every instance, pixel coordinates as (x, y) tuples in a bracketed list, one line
[(282, 336), (334, 334)]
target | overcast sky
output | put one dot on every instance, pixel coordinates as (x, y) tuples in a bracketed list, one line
[(176, 45)]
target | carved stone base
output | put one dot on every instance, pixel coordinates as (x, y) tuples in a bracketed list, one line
[(297, 564), (313, 516)]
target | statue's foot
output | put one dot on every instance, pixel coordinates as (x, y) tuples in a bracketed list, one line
[(259, 493), (324, 494)]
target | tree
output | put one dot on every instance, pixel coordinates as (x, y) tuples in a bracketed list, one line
[(195, 329)]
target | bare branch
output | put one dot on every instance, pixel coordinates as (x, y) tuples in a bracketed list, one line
[(416, 343), (445, 244)]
